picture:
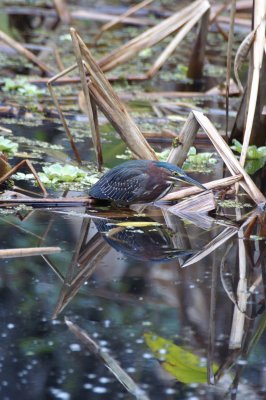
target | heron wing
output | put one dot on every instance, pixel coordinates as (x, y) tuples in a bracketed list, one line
[(120, 184)]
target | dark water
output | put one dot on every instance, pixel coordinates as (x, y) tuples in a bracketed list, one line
[(117, 298)]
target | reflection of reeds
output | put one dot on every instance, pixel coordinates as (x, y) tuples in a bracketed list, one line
[(108, 360)]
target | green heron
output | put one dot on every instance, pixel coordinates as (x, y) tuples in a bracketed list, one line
[(139, 181)]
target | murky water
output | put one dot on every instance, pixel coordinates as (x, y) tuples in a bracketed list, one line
[(119, 288), (176, 302)]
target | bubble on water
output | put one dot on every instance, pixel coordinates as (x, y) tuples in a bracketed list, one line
[(10, 326), (129, 351), (170, 391), (99, 389), (103, 343), (74, 347), (91, 376), (131, 370), (146, 323), (147, 355), (56, 322), (241, 362), (59, 394), (104, 380), (107, 323), (104, 350), (87, 385)]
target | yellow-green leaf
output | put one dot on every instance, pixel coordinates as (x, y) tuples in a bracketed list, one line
[(137, 224), (180, 363)]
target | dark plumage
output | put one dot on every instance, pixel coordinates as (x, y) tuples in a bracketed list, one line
[(139, 181)]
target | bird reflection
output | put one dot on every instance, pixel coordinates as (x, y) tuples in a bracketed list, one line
[(140, 239)]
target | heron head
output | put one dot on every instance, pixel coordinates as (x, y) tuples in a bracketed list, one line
[(177, 175)]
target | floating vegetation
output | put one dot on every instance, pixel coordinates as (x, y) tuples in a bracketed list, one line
[(7, 146), (180, 74), (200, 162), (22, 86), (56, 173), (232, 204)]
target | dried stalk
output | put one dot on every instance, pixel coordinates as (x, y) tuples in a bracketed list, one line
[(114, 110), (28, 252), (122, 17), (150, 37), (51, 202), (194, 18), (185, 140), (228, 157), (218, 184), (216, 11), (196, 62), (61, 115), (237, 329), (62, 11), (26, 53), (90, 107), (241, 55), (229, 59), (3, 129), (258, 51), (13, 170)]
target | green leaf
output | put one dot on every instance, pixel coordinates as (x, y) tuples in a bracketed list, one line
[(185, 366), (7, 146), (63, 173), (253, 153)]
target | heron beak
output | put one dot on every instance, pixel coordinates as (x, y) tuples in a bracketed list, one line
[(188, 180)]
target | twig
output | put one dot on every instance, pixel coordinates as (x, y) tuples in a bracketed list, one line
[(122, 17), (27, 252), (61, 115), (62, 11), (194, 18), (13, 170), (90, 107), (258, 51), (26, 53), (229, 59)]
